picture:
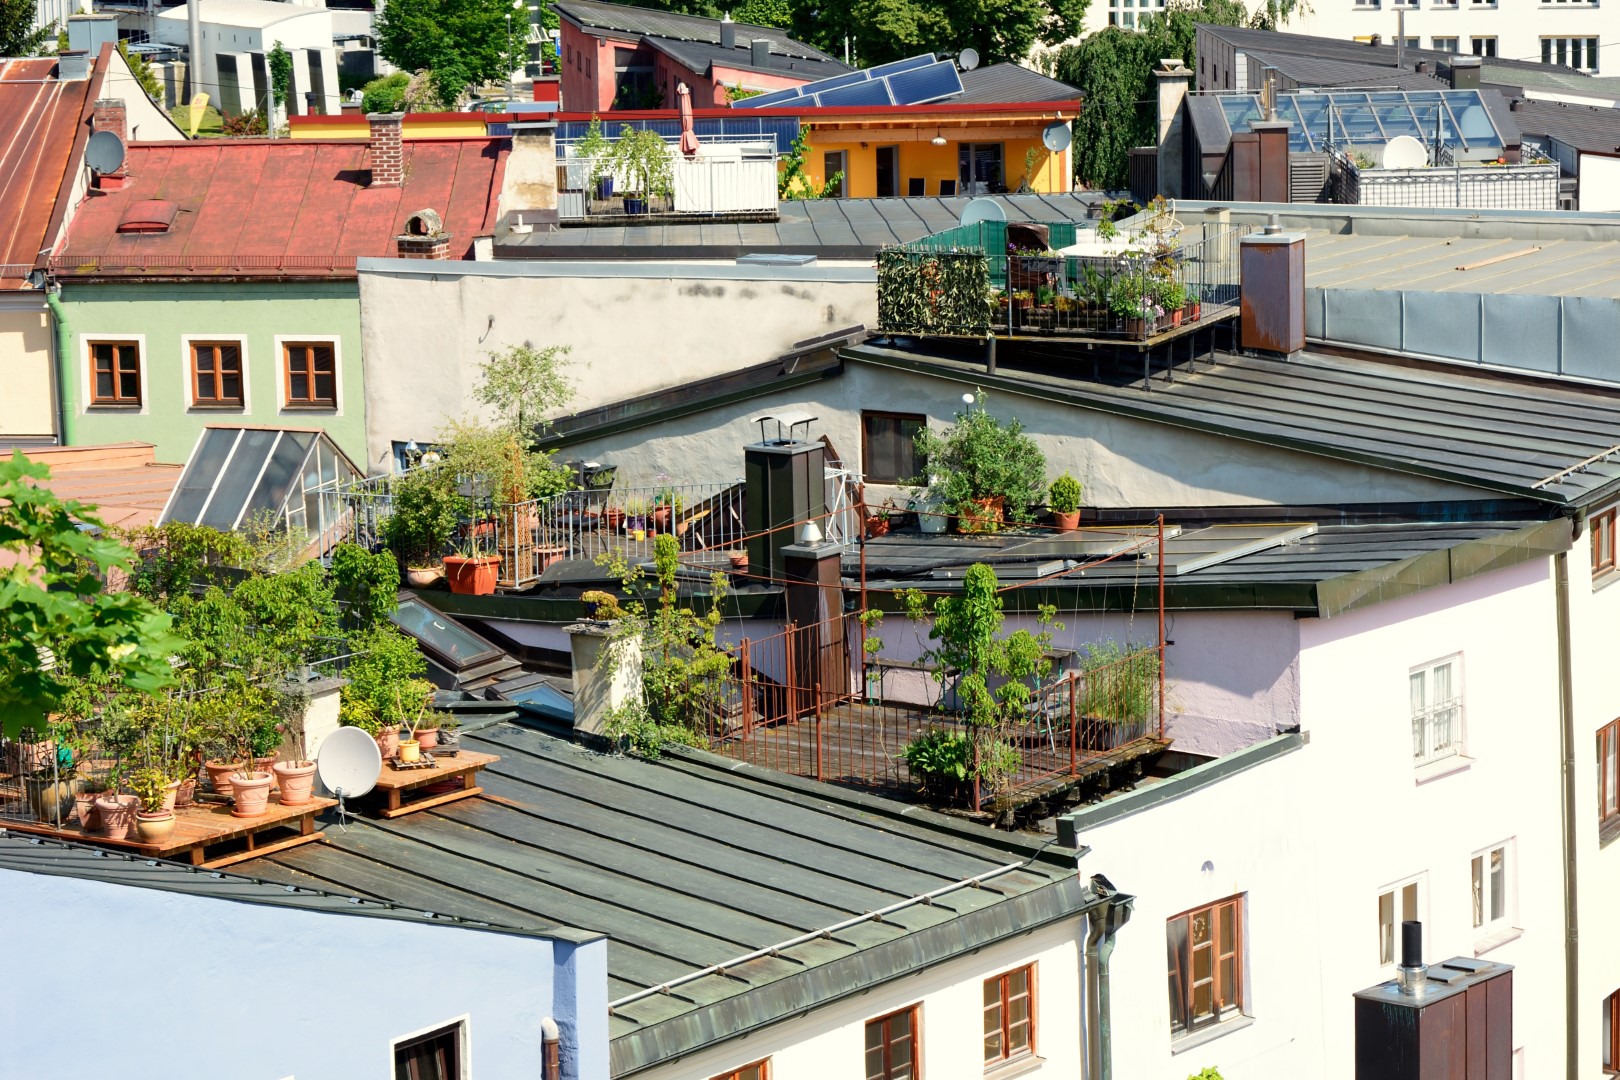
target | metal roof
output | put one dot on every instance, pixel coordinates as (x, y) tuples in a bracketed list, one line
[(827, 228), (1321, 71), (700, 55), (691, 862), (1345, 49), (651, 22), (1511, 265), (42, 117), (1513, 435), (1585, 127), (1011, 84)]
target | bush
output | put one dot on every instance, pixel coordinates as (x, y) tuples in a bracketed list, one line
[(385, 95), (1065, 494), (979, 457), (244, 124)]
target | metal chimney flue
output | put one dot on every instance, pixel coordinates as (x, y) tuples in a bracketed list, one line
[(761, 54), (728, 32), (1411, 974)]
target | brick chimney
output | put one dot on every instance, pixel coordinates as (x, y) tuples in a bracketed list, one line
[(387, 151), (424, 237), (109, 115)]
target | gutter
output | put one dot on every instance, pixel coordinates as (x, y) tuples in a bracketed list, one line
[(1106, 918), (66, 385), (1566, 739)]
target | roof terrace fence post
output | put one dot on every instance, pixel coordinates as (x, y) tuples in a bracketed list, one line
[(1161, 627), (819, 775), (747, 695), (1073, 676)]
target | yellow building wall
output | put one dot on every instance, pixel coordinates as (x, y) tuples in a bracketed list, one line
[(933, 163), (28, 405), (425, 126)]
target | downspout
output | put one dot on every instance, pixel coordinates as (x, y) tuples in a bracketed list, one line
[(1566, 717), (1106, 919), (66, 384), (550, 1050)]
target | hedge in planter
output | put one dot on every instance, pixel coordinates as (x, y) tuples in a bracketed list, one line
[(934, 292)]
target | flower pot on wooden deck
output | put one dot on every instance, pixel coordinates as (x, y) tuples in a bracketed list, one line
[(252, 794), (154, 828), (297, 781), (117, 814), (472, 576), (219, 775)]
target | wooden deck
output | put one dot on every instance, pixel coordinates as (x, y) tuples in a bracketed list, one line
[(207, 834), (462, 769)]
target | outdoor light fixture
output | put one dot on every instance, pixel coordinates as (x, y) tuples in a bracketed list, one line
[(967, 399), (939, 138), (810, 534)]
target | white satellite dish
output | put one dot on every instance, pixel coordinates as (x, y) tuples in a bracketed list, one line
[(1404, 152), (978, 210), (348, 763), (104, 153), (968, 59), (432, 457), (1056, 136)]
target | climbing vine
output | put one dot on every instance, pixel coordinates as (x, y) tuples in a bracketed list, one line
[(934, 292)]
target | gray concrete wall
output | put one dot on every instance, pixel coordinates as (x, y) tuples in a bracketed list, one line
[(633, 329)]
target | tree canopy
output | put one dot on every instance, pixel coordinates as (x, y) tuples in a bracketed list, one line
[(18, 35), (463, 42)]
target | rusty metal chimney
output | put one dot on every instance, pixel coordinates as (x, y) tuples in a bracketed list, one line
[(1272, 269)]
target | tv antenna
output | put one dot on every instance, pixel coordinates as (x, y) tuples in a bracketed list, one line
[(348, 765)]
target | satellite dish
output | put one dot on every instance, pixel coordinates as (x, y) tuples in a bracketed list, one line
[(1405, 152), (348, 763), (978, 210), (432, 457), (968, 59), (1056, 136), (104, 152)]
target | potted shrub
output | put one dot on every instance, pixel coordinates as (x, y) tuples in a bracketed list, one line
[(1064, 499), (470, 573), (594, 150), (943, 763), (985, 470), (635, 517), (1119, 691), (425, 514), (1194, 302), (1139, 312), (154, 821), (1171, 297), (84, 803), (117, 813), (295, 776), (877, 522), (385, 674), (642, 159)]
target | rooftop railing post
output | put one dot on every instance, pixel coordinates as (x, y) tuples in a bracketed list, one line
[(747, 693), (818, 731), (1073, 677), (1161, 627)]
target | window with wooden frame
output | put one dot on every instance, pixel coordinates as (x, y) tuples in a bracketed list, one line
[(1608, 787), (216, 373), (1603, 550), (1009, 1016), (1397, 904), (115, 373), (1206, 966), (1491, 874), (434, 1056), (1611, 1033), (311, 374), (759, 1070), (889, 447), (891, 1046)]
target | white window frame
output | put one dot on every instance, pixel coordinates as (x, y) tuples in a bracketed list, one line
[(1456, 43), (1390, 939), (280, 357), (187, 389), (462, 1024), (1424, 715), (1482, 895), (1574, 49)]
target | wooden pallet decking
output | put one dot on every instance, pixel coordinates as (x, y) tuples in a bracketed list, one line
[(394, 783), (205, 828)]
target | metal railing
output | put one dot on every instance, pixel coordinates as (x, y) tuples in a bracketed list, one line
[(157, 264), (740, 179)]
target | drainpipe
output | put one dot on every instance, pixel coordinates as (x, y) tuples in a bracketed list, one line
[(550, 1050), (66, 385), (1566, 717), (1106, 918)]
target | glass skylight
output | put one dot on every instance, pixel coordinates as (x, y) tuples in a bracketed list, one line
[(1457, 119)]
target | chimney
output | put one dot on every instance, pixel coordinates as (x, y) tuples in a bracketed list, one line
[(529, 186), (88, 33), (728, 32), (761, 52), (387, 151), (1516, 105), (108, 115), (73, 66), (1173, 78), (424, 237), (785, 490), (1465, 72), (1272, 290)]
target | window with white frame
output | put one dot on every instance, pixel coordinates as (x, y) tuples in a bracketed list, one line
[(1126, 12), (1398, 903), (1491, 878), (1482, 46), (1437, 713), (1445, 44), (1580, 53)]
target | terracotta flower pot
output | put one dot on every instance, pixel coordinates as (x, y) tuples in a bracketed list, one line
[(219, 775), (186, 797), (117, 814), (612, 518), (264, 765), (252, 794), (388, 741), (1136, 328), (423, 577), (409, 751), (154, 828), (1066, 522), (427, 738), (660, 518), (877, 526), (986, 516), (171, 796), (297, 780), (84, 810), (472, 577)]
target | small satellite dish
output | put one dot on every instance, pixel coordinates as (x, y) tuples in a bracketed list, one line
[(1056, 136), (104, 152), (432, 457), (348, 763), (968, 59), (1405, 152), (978, 210)]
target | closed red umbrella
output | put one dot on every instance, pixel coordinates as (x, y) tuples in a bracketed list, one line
[(689, 140)]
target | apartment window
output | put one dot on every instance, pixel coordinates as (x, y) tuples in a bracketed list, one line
[(1397, 904), (1445, 44), (978, 168), (1009, 1016), (889, 447), (1206, 965), (115, 373), (1608, 759), (1437, 716), (311, 369), (216, 373), (1611, 1032), (1491, 875), (1483, 46), (434, 1056), (759, 1070), (835, 163), (1126, 12), (1603, 550), (1411, 42), (1367, 5), (891, 1046), (1580, 53)]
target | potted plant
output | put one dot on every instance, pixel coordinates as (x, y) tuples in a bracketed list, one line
[(425, 515), (295, 776), (1064, 499), (1171, 297), (1195, 303), (153, 820), (1138, 311), (877, 522), (117, 813), (635, 517), (642, 159), (594, 149), (471, 573), (385, 673), (410, 747), (986, 471), (84, 803), (666, 504), (943, 763), (1119, 688), (929, 506)]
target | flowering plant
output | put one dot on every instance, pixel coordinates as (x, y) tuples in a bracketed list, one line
[(1137, 307)]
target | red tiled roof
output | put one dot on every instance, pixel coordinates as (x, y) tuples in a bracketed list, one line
[(40, 117), (278, 207)]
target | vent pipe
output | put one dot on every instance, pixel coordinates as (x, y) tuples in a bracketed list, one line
[(728, 32), (1400, 39), (761, 52), (1411, 974), (550, 1050)]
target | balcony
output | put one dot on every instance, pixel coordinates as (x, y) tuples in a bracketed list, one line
[(729, 178)]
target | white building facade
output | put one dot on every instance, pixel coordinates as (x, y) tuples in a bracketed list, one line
[(238, 35)]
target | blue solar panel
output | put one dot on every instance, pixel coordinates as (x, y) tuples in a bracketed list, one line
[(922, 85), (836, 81), (894, 67), (765, 101), (875, 92)]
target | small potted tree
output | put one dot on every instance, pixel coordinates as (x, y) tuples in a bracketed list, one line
[(295, 777), (986, 471), (426, 511), (642, 158), (154, 821), (1064, 499), (594, 149)]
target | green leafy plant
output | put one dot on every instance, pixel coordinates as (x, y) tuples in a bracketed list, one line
[(144, 75), (1064, 494), (1119, 683), (794, 183), (367, 584), (948, 758), (460, 43), (425, 514), (979, 457), (150, 785), (243, 124), (385, 687), (596, 148), (279, 61), (385, 95), (1211, 1073), (934, 292)]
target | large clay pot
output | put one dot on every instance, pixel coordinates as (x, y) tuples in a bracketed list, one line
[(171, 796), (117, 814), (252, 794), (423, 577), (388, 741), (49, 798), (472, 577), (985, 517), (297, 780), (219, 775), (265, 765), (1066, 522), (187, 795), (84, 809), (427, 738), (154, 828), (410, 751)]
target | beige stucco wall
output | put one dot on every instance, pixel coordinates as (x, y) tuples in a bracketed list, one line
[(633, 329), (27, 407)]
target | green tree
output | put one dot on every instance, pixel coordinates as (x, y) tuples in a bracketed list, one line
[(792, 182), (385, 95), (883, 30), (18, 34), (281, 65), (58, 622), (463, 42), (777, 13), (143, 72)]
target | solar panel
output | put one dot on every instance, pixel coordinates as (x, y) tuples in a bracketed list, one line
[(923, 85), (810, 92), (765, 101), (894, 67), (839, 80), (875, 92)]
